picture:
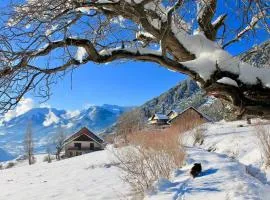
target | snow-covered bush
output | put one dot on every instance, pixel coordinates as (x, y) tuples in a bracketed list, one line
[(149, 157), (263, 134)]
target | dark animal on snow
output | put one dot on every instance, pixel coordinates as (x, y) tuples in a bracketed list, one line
[(196, 170)]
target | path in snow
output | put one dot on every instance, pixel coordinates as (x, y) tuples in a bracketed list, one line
[(222, 179)]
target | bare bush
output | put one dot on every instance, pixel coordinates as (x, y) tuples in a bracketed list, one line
[(29, 144), (48, 158), (10, 165), (198, 136), (128, 123), (150, 156), (58, 142), (263, 135)]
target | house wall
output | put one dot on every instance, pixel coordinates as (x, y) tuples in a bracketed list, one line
[(84, 144), (158, 121), (173, 115), (188, 120), (85, 148)]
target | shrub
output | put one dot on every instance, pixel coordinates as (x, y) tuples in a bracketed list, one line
[(10, 165), (48, 158), (1, 166), (149, 157), (263, 135), (198, 136)]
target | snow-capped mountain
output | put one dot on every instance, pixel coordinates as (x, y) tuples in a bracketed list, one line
[(46, 121)]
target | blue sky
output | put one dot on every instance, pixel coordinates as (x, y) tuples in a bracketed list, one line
[(129, 83)]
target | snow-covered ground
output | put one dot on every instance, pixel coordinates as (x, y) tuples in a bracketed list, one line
[(232, 167), (230, 155), (238, 140), (88, 177), (222, 179)]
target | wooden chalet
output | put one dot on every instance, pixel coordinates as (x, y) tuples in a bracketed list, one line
[(84, 141), (189, 118)]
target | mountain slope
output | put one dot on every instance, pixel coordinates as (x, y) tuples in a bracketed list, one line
[(181, 96), (258, 56)]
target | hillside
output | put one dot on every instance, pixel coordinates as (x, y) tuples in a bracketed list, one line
[(181, 96), (90, 176), (46, 121), (259, 56), (231, 162)]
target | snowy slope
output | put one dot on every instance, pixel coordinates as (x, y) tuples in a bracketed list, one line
[(239, 143), (86, 177), (230, 157), (222, 179)]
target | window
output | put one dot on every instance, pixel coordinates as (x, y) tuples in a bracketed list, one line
[(78, 145), (92, 146)]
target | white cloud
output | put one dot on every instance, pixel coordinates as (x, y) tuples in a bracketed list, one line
[(69, 125), (45, 105), (23, 106), (70, 114), (51, 118)]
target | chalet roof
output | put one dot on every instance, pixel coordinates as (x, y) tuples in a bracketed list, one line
[(177, 111), (200, 113), (159, 117), (88, 133)]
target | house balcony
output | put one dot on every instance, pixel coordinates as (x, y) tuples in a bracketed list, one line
[(83, 149)]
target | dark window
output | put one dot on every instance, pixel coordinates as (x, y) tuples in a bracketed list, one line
[(92, 146), (78, 145)]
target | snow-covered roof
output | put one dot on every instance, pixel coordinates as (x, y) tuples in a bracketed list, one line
[(159, 117), (177, 111)]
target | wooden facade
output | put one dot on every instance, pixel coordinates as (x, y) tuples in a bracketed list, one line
[(84, 141)]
